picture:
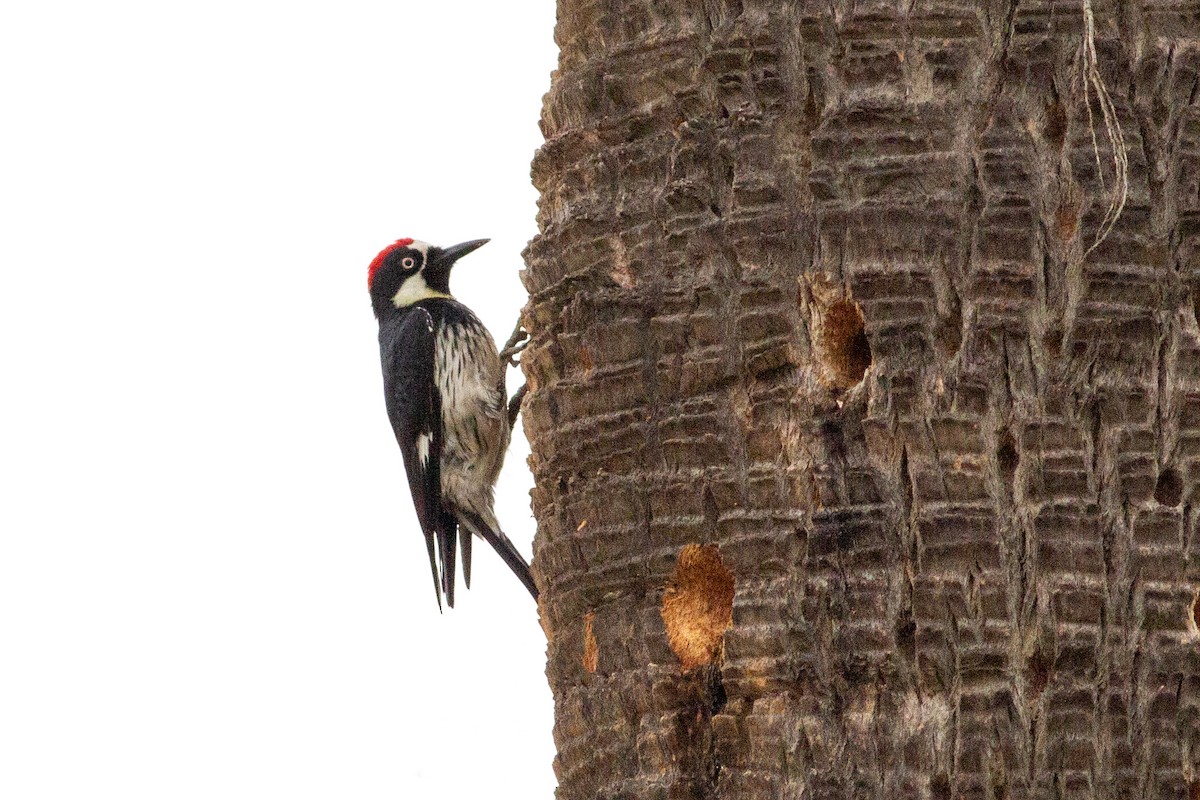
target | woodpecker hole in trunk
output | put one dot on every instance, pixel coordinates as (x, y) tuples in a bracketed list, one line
[(1196, 612), (843, 344), (591, 650), (697, 607)]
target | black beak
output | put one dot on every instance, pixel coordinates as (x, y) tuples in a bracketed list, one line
[(453, 253)]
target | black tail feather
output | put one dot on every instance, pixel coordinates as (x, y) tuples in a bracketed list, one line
[(506, 550), (446, 535), (464, 548), (433, 566)]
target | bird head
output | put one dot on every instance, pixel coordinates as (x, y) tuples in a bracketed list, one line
[(409, 270)]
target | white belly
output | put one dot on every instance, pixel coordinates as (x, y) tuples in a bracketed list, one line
[(470, 381)]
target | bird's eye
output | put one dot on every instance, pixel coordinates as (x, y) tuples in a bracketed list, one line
[(408, 262)]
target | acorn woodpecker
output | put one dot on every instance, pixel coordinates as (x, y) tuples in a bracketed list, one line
[(444, 386)]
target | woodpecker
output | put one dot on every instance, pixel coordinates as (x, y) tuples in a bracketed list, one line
[(443, 383)]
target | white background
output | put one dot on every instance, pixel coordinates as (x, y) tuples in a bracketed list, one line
[(211, 580)]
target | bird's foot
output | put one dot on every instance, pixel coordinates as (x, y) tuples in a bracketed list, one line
[(514, 404), (515, 344)]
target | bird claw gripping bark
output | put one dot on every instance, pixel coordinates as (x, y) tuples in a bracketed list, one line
[(515, 344), (514, 404)]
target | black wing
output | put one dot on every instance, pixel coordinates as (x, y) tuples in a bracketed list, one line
[(415, 413)]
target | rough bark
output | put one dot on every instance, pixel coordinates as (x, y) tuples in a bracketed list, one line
[(816, 332)]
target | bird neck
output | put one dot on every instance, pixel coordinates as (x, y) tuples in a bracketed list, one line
[(386, 310)]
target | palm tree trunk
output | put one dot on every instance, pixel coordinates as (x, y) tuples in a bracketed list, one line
[(865, 398)]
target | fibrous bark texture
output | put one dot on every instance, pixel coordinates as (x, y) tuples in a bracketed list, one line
[(821, 329)]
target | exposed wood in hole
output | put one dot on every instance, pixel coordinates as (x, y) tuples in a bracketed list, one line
[(844, 348), (591, 651), (697, 607)]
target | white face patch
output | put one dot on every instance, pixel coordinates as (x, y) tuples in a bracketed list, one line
[(413, 290)]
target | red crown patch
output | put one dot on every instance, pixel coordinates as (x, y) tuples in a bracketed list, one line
[(383, 254)]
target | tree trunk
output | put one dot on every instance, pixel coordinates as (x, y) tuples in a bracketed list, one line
[(864, 462)]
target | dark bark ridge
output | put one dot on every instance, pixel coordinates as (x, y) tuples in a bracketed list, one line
[(813, 288)]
